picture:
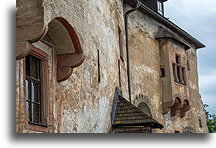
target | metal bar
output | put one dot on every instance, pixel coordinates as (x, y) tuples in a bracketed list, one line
[(33, 79), (30, 87)]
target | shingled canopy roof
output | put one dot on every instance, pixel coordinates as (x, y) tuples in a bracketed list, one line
[(125, 114), (163, 33)]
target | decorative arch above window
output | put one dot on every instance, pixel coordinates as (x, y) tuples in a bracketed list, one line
[(64, 38)]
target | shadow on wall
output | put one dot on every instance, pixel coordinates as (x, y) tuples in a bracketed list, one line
[(11, 110)]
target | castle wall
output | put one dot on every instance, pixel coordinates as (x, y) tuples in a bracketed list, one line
[(81, 104), (147, 56)]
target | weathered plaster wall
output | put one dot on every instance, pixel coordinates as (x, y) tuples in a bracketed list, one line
[(19, 95), (81, 104), (196, 102), (86, 104), (146, 59), (145, 63), (189, 91), (28, 12)]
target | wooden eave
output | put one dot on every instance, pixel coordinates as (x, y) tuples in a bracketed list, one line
[(161, 19)]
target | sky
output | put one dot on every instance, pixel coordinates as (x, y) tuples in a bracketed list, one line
[(198, 18)]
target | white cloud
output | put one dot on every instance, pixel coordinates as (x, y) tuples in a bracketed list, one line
[(208, 80)]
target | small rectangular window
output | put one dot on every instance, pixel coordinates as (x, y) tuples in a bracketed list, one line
[(200, 123), (177, 59), (160, 7), (162, 72), (188, 65)]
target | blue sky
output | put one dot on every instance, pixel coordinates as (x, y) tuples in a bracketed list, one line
[(198, 18)]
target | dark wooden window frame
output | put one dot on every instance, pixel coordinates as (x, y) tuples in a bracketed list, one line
[(43, 57)]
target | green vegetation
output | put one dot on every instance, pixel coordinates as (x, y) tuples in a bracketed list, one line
[(211, 120)]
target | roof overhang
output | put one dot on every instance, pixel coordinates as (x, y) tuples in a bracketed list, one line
[(163, 0), (161, 19), (165, 34)]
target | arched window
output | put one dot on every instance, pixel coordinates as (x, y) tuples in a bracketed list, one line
[(144, 107)]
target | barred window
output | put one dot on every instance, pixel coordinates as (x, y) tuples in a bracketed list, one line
[(35, 87)]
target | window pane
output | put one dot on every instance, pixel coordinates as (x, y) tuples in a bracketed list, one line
[(35, 68), (35, 92), (28, 65), (162, 70), (174, 72), (159, 7), (178, 74), (35, 113), (28, 110), (27, 90), (183, 75), (177, 59), (33, 88)]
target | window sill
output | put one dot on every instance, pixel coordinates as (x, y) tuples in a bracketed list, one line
[(180, 83), (38, 124), (37, 127)]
